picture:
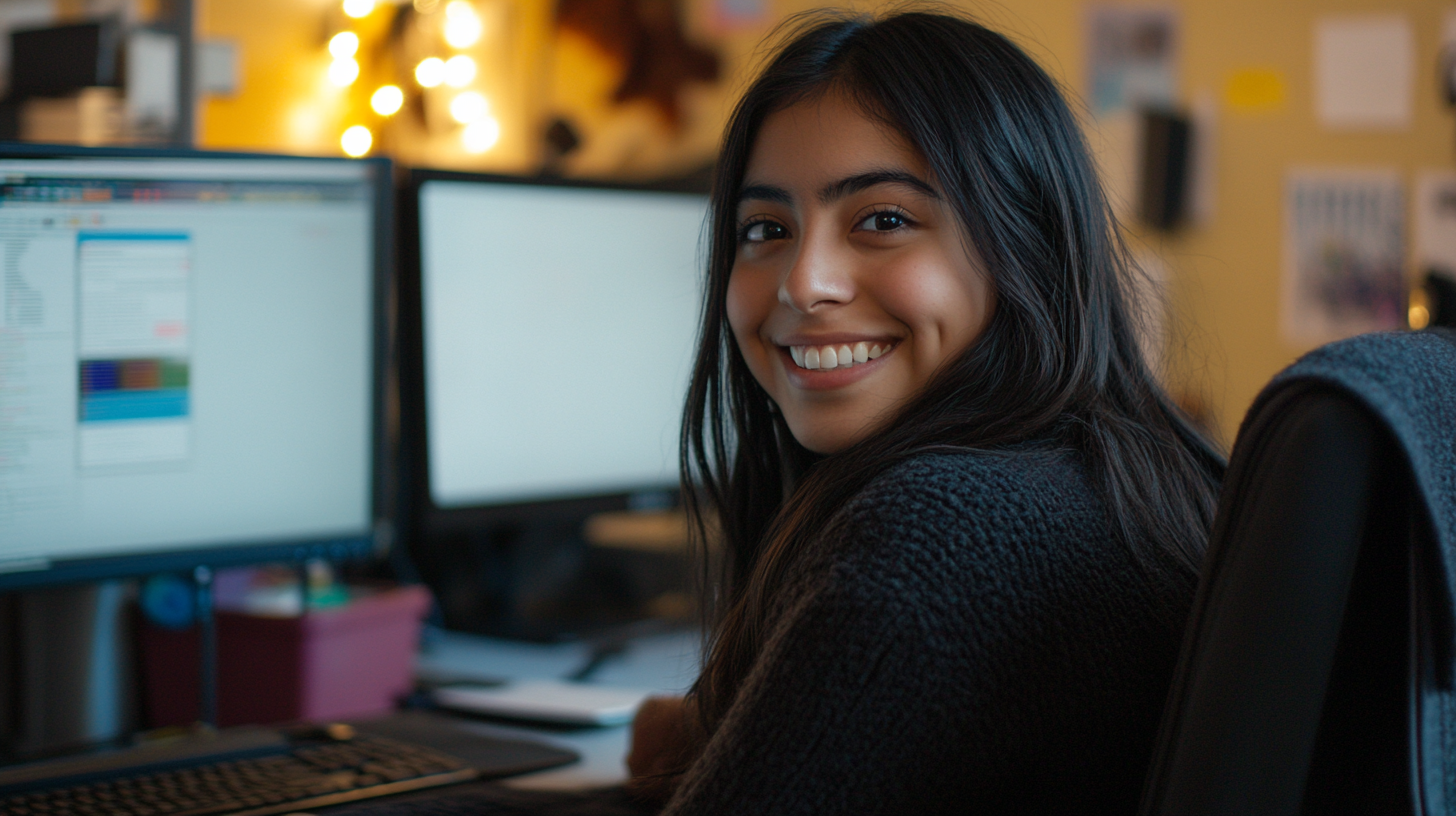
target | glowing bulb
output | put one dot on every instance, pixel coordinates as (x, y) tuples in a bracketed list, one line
[(343, 72), (468, 107), (430, 72), (459, 71), (344, 44), (387, 100), (462, 24), (358, 8), (481, 136), (357, 140)]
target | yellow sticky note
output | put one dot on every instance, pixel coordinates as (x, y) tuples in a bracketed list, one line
[(1254, 90)]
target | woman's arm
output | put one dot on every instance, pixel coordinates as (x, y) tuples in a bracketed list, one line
[(850, 709), (662, 745)]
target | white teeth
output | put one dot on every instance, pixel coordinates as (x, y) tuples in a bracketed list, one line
[(831, 357)]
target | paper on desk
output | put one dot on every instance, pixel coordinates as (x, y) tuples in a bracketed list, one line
[(551, 701), (1364, 69)]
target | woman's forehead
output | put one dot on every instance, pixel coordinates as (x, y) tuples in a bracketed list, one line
[(824, 139)]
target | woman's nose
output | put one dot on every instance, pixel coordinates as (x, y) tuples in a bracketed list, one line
[(819, 277)]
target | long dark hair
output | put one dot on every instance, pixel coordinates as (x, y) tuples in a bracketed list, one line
[(1058, 367)]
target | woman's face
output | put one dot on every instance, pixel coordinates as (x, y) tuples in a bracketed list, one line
[(853, 282)]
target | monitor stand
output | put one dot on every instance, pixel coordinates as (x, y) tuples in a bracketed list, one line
[(541, 581)]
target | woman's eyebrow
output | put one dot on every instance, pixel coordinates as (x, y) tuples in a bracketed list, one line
[(850, 185), (765, 192)]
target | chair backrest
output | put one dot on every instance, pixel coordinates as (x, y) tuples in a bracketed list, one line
[(1316, 669)]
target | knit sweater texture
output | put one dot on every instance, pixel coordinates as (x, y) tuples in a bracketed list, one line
[(969, 636)]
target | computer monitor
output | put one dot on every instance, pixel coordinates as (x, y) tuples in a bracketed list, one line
[(548, 340), (189, 360)]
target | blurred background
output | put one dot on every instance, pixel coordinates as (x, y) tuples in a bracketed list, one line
[(1283, 173), (1281, 168)]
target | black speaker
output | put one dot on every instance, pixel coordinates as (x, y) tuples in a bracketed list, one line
[(1167, 142), (59, 60), (1440, 286)]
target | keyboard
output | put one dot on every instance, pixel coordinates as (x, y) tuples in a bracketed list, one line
[(257, 772)]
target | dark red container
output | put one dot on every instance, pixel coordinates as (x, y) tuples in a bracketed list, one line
[(329, 664)]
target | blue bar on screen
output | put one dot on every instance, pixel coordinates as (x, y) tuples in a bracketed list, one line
[(164, 403), (132, 236)]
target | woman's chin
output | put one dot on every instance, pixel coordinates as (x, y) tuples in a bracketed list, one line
[(826, 435)]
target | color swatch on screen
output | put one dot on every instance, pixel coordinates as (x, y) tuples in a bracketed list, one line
[(133, 389)]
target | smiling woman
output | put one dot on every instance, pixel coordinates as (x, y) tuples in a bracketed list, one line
[(960, 520)]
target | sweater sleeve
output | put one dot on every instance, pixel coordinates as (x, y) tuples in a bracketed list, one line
[(835, 711)]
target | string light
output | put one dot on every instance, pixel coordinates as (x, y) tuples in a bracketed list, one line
[(459, 71), (462, 24), (356, 141), (430, 72), (1419, 314), (344, 44), (343, 72), (481, 136), (387, 100), (358, 8), (468, 107)]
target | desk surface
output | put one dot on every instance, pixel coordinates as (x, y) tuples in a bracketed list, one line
[(663, 664)]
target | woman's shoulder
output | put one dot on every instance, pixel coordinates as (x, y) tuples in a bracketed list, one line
[(988, 494), (973, 520)]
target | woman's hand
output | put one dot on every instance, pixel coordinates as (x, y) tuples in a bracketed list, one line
[(661, 742)]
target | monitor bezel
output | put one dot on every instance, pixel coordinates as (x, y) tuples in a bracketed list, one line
[(368, 543), (425, 517)]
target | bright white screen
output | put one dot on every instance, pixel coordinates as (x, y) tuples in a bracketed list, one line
[(559, 332), (185, 355)]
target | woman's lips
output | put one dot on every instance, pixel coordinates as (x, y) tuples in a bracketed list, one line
[(804, 364)]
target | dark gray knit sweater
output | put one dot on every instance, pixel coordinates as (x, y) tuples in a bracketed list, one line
[(968, 637)]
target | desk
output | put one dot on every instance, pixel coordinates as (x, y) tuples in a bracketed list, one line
[(663, 663)]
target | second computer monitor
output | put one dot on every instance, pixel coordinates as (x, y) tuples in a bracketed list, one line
[(559, 324)]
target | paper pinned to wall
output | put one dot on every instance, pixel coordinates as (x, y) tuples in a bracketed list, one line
[(1364, 70), (1132, 58), (1344, 246)]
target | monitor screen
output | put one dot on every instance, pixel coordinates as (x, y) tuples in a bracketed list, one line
[(559, 325), (187, 355)]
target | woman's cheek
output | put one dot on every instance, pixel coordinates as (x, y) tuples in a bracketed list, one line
[(745, 311)]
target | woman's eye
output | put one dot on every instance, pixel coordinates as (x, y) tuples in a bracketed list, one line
[(883, 221), (760, 231)]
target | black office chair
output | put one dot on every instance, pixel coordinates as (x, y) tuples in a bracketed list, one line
[(1316, 672)]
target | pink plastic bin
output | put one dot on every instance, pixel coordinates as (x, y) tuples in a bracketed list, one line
[(329, 664)]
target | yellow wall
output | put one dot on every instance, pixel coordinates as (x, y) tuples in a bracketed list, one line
[(283, 103), (1224, 274), (1228, 272)]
